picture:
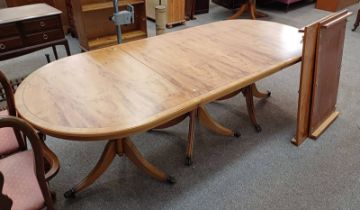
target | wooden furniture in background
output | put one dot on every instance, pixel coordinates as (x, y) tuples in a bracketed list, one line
[(250, 6), (202, 6), (3, 4), (190, 9), (28, 28), (24, 173), (357, 21), (157, 91), (230, 4), (15, 3), (288, 2), (323, 41), (175, 11), (334, 5), (72, 27), (94, 28), (58, 4)]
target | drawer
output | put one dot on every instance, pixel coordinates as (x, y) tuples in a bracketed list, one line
[(7, 30), (41, 24), (10, 43), (42, 37)]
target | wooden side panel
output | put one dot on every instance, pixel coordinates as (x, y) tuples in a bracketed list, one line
[(334, 5), (176, 11), (306, 80), (327, 72)]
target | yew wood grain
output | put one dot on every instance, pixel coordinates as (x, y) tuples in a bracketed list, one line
[(99, 95), (130, 88), (217, 59)]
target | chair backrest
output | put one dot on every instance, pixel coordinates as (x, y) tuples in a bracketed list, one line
[(9, 95), (37, 146)]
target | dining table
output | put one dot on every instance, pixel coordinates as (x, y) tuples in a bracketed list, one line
[(113, 93)]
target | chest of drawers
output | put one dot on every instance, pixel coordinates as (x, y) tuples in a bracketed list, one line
[(29, 28)]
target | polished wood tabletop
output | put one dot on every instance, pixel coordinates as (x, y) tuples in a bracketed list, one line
[(130, 88)]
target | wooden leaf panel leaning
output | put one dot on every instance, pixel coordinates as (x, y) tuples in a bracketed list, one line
[(306, 81), (330, 47), (319, 82), (122, 90)]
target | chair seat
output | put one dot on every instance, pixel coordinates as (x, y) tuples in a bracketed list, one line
[(21, 185), (8, 141)]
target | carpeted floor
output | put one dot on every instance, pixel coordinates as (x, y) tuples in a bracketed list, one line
[(256, 171)]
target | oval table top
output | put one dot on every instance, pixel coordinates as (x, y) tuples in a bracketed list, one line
[(133, 87)]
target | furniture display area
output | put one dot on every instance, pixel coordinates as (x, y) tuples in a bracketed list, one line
[(357, 21), (175, 11), (89, 15), (28, 28), (181, 83), (249, 6), (334, 5)]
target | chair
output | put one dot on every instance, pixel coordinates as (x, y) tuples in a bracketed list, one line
[(25, 181), (10, 141), (357, 22)]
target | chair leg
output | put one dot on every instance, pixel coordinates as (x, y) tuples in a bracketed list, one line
[(55, 52), (357, 22), (53, 195)]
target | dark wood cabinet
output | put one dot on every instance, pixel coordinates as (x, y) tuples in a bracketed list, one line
[(59, 4), (202, 6), (230, 4), (29, 28)]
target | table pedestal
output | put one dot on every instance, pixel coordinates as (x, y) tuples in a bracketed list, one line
[(250, 7), (119, 147), (205, 119)]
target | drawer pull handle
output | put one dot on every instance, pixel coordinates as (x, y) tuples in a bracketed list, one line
[(2, 46), (42, 23), (45, 36)]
